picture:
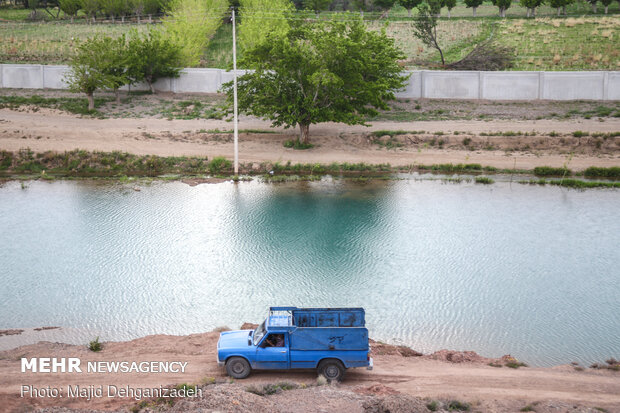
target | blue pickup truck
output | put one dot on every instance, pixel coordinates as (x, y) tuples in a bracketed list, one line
[(330, 340)]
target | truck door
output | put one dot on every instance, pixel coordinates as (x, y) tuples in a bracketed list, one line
[(272, 352)]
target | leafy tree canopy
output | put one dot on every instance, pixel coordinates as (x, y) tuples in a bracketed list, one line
[(321, 72)]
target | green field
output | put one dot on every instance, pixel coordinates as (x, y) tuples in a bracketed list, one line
[(547, 43)]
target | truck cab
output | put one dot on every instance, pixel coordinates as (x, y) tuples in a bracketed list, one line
[(330, 340)]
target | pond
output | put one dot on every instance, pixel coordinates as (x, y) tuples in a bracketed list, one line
[(503, 268)]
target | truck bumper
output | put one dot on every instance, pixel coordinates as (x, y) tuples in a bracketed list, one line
[(370, 364), (220, 363)]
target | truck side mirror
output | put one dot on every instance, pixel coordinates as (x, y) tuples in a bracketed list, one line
[(331, 347)]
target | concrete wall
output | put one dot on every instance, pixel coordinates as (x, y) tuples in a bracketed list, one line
[(421, 84)]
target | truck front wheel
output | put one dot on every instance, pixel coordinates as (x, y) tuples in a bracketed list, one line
[(332, 370), (238, 367)]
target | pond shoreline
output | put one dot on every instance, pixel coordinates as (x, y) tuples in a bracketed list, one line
[(400, 373)]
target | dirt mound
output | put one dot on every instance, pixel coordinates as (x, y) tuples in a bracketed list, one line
[(248, 326), (459, 357), (400, 403), (375, 389), (382, 349)]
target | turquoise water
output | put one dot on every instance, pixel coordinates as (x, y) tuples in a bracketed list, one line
[(527, 270)]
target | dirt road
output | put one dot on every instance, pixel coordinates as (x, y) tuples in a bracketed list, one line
[(53, 130), (418, 376)]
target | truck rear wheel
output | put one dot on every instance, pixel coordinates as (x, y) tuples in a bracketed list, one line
[(238, 367), (332, 370)]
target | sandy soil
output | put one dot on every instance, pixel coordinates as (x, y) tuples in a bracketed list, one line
[(54, 130), (442, 375)]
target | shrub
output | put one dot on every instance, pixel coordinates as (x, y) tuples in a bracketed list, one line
[(95, 345), (455, 405)]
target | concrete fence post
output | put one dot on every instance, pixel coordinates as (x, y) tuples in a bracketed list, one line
[(541, 85), (606, 86), (480, 87), (42, 71), (1, 71), (422, 86)]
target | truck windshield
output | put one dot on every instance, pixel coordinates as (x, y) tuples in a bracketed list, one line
[(259, 333)]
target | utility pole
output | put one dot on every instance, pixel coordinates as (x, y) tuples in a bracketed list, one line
[(236, 121)]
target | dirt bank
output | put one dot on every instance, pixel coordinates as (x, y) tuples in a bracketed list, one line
[(498, 143), (398, 374)]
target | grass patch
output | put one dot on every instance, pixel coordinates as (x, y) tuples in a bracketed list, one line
[(599, 172), (484, 180), (551, 171), (269, 389), (219, 165), (78, 106), (515, 364), (297, 144), (528, 408)]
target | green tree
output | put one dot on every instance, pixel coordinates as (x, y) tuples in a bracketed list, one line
[(503, 5), (259, 18), (190, 24), (531, 5), (593, 4), (316, 5), (409, 4), (152, 57), (114, 8), (70, 7), (425, 26), (449, 4), (473, 4), (89, 69), (560, 5), (606, 4), (91, 7), (384, 5), (322, 72), (144, 7)]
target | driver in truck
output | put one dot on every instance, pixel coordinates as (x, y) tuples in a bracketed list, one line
[(275, 340)]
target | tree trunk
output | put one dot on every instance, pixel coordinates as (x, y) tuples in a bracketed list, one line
[(474, 8), (408, 12), (594, 8), (502, 12), (71, 19), (304, 134), (151, 86), (150, 19), (564, 10), (528, 13), (122, 19), (534, 12), (112, 19), (449, 14), (117, 93), (138, 19), (91, 100), (606, 7)]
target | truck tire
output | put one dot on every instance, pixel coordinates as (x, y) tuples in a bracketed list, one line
[(238, 367), (331, 369)]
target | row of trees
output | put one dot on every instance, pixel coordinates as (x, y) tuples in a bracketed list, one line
[(111, 63), (119, 9), (112, 8)]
